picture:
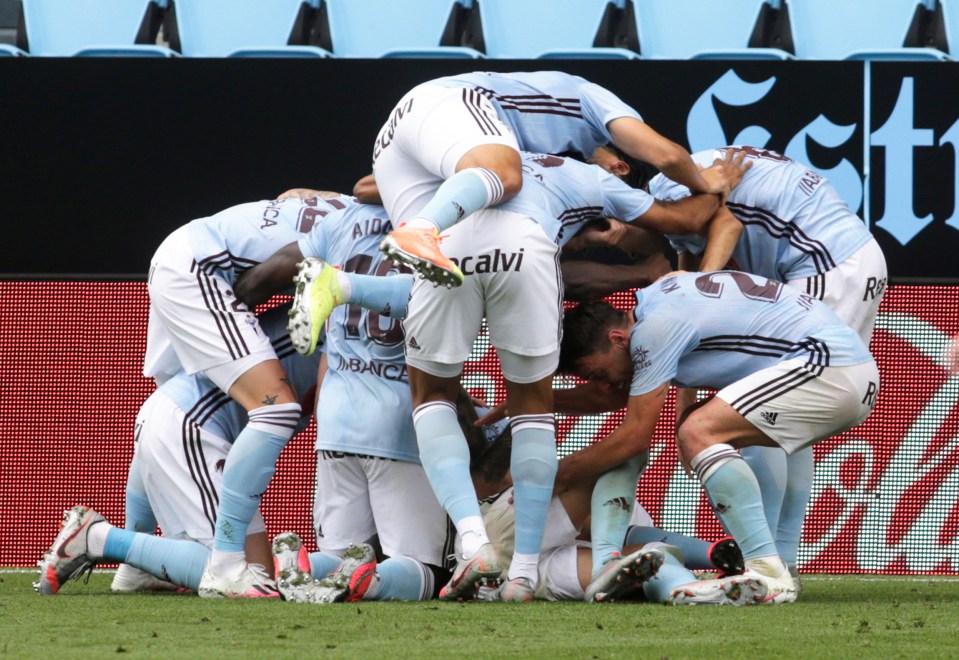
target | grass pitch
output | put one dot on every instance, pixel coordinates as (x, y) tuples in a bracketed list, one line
[(835, 618)]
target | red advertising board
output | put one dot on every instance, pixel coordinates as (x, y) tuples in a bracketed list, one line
[(886, 495)]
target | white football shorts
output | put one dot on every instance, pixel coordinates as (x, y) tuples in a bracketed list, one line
[(796, 408), (426, 135), (359, 496), (512, 277), (196, 319), (854, 289), (182, 470)]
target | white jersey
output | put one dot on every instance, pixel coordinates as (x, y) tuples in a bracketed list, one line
[(212, 410), (549, 111), (795, 224), (713, 329), (365, 405), (563, 194), (240, 237)]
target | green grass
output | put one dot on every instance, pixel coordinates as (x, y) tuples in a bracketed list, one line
[(835, 618)]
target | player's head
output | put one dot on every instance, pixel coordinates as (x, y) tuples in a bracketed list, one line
[(634, 172), (596, 345)]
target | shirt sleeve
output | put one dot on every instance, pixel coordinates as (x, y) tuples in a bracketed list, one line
[(315, 243), (656, 346), (601, 106), (619, 200)]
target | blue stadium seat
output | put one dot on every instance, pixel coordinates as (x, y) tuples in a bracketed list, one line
[(108, 27), (700, 29), (854, 29), (6, 50), (241, 28), (524, 29), (950, 17), (397, 28)]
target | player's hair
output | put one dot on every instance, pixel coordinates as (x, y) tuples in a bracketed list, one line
[(640, 172), (466, 412), (493, 464), (586, 331)]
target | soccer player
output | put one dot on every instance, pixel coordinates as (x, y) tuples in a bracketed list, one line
[(788, 370), (792, 226), (197, 324), (369, 477), (183, 436), (452, 146)]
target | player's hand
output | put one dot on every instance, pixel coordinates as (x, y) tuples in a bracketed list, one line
[(733, 166), (601, 233), (495, 414), (950, 358)]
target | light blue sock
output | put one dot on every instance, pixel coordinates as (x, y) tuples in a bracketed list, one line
[(734, 494), (671, 575), (402, 578), (695, 551), (249, 468), (138, 514), (770, 467), (465, 192), (533, 466), (323, 563), (446, 458), (801, 469), (611, 507), (388, 296), (176, 561)]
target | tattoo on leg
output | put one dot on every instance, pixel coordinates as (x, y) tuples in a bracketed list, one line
[(270, 400)]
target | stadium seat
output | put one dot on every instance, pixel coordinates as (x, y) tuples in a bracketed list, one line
[(104, 27), (950, 17), (700, 29), (6, 50), (241, 28), (853, 29), (398, 28), (525, 29)]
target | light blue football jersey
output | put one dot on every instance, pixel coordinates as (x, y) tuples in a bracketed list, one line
[(563, 194), (795, 224), (238, 238), (712, 329), (365, 405), (210, 408), (549, 111)]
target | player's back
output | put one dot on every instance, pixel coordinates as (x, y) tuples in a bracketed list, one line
[(712, 329), (549, 111), (795, 224), (365, 405), (563, 194), (238, 238)]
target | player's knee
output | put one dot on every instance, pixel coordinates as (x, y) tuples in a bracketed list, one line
[(691, 437), (512, 180)]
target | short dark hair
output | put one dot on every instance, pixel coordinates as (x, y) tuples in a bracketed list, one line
[(493, 464), (586, 331), (640, 172)]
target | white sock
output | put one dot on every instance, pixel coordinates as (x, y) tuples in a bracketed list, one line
[(422, 223), (524, 565), (472, 534), (345, 285), (97, 539), (769, 565), (226, 563)]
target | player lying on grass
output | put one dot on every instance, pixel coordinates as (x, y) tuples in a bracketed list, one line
[(652, 569), (789, 373), (184, 432)]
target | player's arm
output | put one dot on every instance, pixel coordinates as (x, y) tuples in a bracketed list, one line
[(722, 234), (630, 438), (584, 399), (308, 193), (366, 192), (261, 282), (639, 140), (591, 280)]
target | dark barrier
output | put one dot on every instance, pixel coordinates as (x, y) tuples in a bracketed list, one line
[(885, 499), (103, 157)]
